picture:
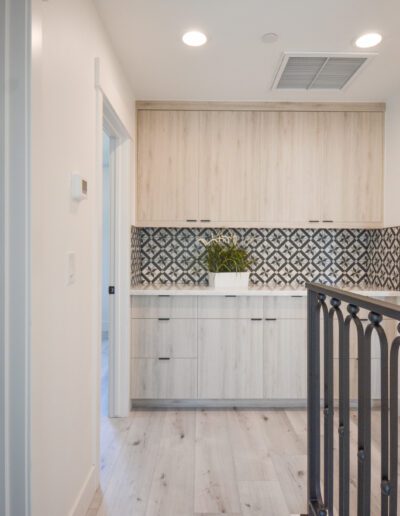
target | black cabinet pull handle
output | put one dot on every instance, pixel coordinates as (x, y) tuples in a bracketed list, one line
[(164, 295), (313, 221), (163, 318), (205, 220), (164, 358), (270, 318), (256, 318), (191, 220), (296, 296), (229, 296), (327, 221)]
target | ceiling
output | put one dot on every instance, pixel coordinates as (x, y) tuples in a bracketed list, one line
[(235, 64)]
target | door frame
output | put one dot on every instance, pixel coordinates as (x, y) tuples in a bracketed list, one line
[(119, 398), (15, 256)]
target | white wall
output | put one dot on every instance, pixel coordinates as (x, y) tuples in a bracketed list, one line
[(392, 165), (68, 36)]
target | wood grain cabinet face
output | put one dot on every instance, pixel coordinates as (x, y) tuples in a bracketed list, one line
[(230, 307), (230, 359), (352, 172), (154, 307), (229, 166), (260, 168), (171, 338), (152, 378), (167, 172), (291, 166), (285, 359)]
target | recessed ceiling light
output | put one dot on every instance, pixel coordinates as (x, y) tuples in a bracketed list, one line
[(371, 39), (194, 38)]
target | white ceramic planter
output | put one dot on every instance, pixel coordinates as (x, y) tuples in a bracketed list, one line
[(228, 279)]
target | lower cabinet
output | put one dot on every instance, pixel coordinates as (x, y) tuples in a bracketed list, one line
[(160, 378), (230, 358), (285, 359)]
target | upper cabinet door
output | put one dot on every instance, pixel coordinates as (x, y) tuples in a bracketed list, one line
[(167, 171), (289, 181), (352, 167), (229, 168)]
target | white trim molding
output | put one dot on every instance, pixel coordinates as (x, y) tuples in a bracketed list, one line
[(15, 202), (120, 403)]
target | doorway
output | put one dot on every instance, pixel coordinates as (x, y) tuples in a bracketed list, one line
[(108, 246)]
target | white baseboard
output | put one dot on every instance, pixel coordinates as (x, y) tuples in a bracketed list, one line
[(85, 495)]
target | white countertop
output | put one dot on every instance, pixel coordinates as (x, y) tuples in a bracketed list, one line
[(197, 290)]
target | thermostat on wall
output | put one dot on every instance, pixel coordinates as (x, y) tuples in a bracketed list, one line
[(78, 187)]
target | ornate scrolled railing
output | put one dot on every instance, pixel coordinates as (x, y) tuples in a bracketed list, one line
[(326, 305)]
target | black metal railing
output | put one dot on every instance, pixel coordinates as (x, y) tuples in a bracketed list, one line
[(326, 306)]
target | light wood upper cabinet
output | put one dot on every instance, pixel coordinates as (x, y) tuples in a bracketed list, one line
[(167, 172), (291, 157), (249, 168), (352, 167), (229, 166)]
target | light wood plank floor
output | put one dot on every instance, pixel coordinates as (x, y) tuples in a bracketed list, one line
[(210, 462)]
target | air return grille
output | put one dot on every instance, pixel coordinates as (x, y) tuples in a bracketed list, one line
[(318, 71)]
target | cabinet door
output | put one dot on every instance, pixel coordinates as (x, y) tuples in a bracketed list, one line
[(152, 378), (229, 170), (291, 167), (285, 359), (167, 166), (230, 359), (352, 171)]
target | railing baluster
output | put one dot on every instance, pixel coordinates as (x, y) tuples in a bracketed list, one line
[(394, 422), (385, 483), (328, 408), (364, 424), (313, 413), (344, 409)]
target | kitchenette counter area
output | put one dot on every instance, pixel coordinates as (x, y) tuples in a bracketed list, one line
[(231, 347)]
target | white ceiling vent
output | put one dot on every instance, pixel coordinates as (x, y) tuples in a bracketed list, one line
[(318, 71)]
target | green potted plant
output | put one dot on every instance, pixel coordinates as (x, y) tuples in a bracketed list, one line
[(226, 261)]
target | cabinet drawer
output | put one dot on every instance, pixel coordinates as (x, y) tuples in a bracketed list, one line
[(153, 307), (229, 307), (172, 338), (285, 307), (175, 378)]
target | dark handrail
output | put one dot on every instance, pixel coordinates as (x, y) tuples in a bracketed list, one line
[(320, 502), (384, 308)]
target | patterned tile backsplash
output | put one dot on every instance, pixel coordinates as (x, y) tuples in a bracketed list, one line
[(279, 256), (384, 258)]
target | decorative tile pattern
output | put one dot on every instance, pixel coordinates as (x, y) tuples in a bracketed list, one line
[(384, 253), (136, 261), (279, 256)]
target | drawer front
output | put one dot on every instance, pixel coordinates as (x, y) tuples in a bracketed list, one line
[(285, 307), (153, 307), (171, 338), (230, 307), (164, 379)]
